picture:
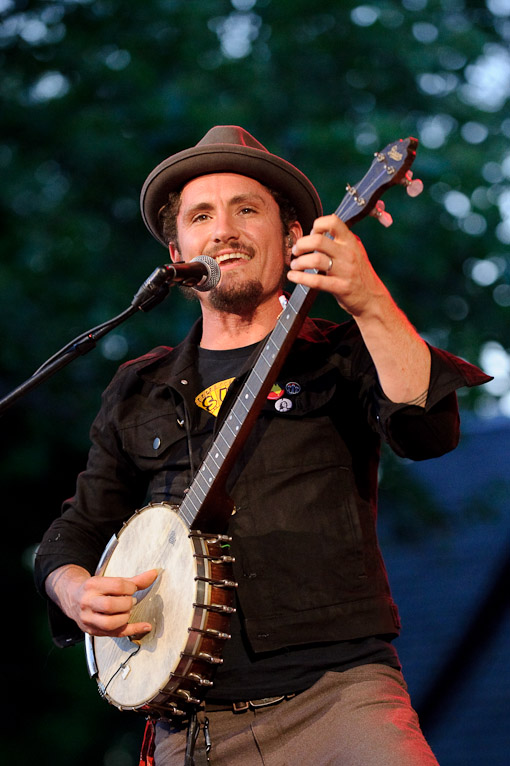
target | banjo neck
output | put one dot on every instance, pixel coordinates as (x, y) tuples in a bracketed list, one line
[(206, 495)]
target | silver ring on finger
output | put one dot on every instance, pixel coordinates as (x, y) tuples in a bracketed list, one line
[(330, 264)]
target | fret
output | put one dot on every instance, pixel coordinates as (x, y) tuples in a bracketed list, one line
[(256, 374), (214, 459), (189, 514), (223, 435)]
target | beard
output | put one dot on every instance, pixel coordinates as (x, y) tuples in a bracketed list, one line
[(241, 299)]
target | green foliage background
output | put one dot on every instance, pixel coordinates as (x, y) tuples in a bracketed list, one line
[(93, 96)]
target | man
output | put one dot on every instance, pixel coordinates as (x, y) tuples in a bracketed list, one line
[(309, 676)]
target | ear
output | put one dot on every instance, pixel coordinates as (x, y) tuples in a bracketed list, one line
[(295, 232), (174, 253)]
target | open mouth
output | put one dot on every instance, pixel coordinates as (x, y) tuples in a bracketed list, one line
[(230, 257)]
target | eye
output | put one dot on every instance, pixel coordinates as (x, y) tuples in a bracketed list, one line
[(247, 210), (199, 218)]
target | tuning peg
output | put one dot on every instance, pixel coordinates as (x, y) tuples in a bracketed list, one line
[(379, 212), (414, 186)]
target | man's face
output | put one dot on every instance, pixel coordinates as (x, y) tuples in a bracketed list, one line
[(235, 220)]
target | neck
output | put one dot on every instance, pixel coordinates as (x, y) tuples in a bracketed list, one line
[(222, 330)]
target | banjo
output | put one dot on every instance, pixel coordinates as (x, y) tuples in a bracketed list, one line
[(189, 604)]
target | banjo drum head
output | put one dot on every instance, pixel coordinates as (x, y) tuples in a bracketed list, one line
[(131, 673)]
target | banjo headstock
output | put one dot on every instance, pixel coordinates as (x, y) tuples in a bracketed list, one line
[(390, 166)]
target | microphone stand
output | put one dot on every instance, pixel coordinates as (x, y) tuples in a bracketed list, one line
[(147, 297)]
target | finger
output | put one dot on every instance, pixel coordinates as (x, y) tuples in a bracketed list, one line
[(320, 261), (330, 224), (338, 232), (312, 243), (125, 629), (135, 629), (111, 605), (109, 586), (120, 586), (144, 579), (114, 626), (316, 281)]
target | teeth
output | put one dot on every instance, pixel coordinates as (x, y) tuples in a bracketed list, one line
[(232, 256)]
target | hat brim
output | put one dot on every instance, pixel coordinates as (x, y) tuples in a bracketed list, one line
[(269, 169)]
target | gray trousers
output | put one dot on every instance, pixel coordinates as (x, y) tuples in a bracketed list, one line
[(360, 717)]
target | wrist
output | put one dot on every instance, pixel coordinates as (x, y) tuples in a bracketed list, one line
[(62, 585), (378, 307)]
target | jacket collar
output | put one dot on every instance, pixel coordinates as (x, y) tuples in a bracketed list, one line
[(166, 365)]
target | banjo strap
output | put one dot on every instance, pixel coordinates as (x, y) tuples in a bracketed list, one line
[(196, 754), (147, 750)]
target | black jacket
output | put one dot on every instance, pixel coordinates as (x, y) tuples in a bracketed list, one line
[(304, 486)]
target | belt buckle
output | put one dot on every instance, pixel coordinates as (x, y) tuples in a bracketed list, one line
[(265, 701), (242, 707)]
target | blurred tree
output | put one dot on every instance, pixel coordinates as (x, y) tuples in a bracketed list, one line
[(95, 93)]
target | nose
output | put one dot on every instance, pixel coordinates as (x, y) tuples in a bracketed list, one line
[(225, 227)]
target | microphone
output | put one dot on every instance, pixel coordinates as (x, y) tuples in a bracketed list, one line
[(202, 273)]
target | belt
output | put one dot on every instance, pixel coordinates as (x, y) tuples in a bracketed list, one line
[(243, 706)]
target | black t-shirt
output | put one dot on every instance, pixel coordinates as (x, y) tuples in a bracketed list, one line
[(244, 674)]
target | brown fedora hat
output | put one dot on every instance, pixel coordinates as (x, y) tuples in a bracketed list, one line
[(227, 149)]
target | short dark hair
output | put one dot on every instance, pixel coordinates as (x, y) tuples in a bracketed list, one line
[(168, 214)]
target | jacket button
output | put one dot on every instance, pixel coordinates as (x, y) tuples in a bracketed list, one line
[(156, 444)]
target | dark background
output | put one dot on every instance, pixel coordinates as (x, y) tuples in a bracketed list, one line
[(92, 96)]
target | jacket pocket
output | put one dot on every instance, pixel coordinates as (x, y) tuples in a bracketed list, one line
[(149, 442)]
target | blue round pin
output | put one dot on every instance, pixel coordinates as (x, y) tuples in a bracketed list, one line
[(292, 388)]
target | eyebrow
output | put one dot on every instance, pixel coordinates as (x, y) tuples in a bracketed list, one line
[(249, 196)]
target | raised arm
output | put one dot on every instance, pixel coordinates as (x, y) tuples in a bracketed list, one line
[(401, 357)]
